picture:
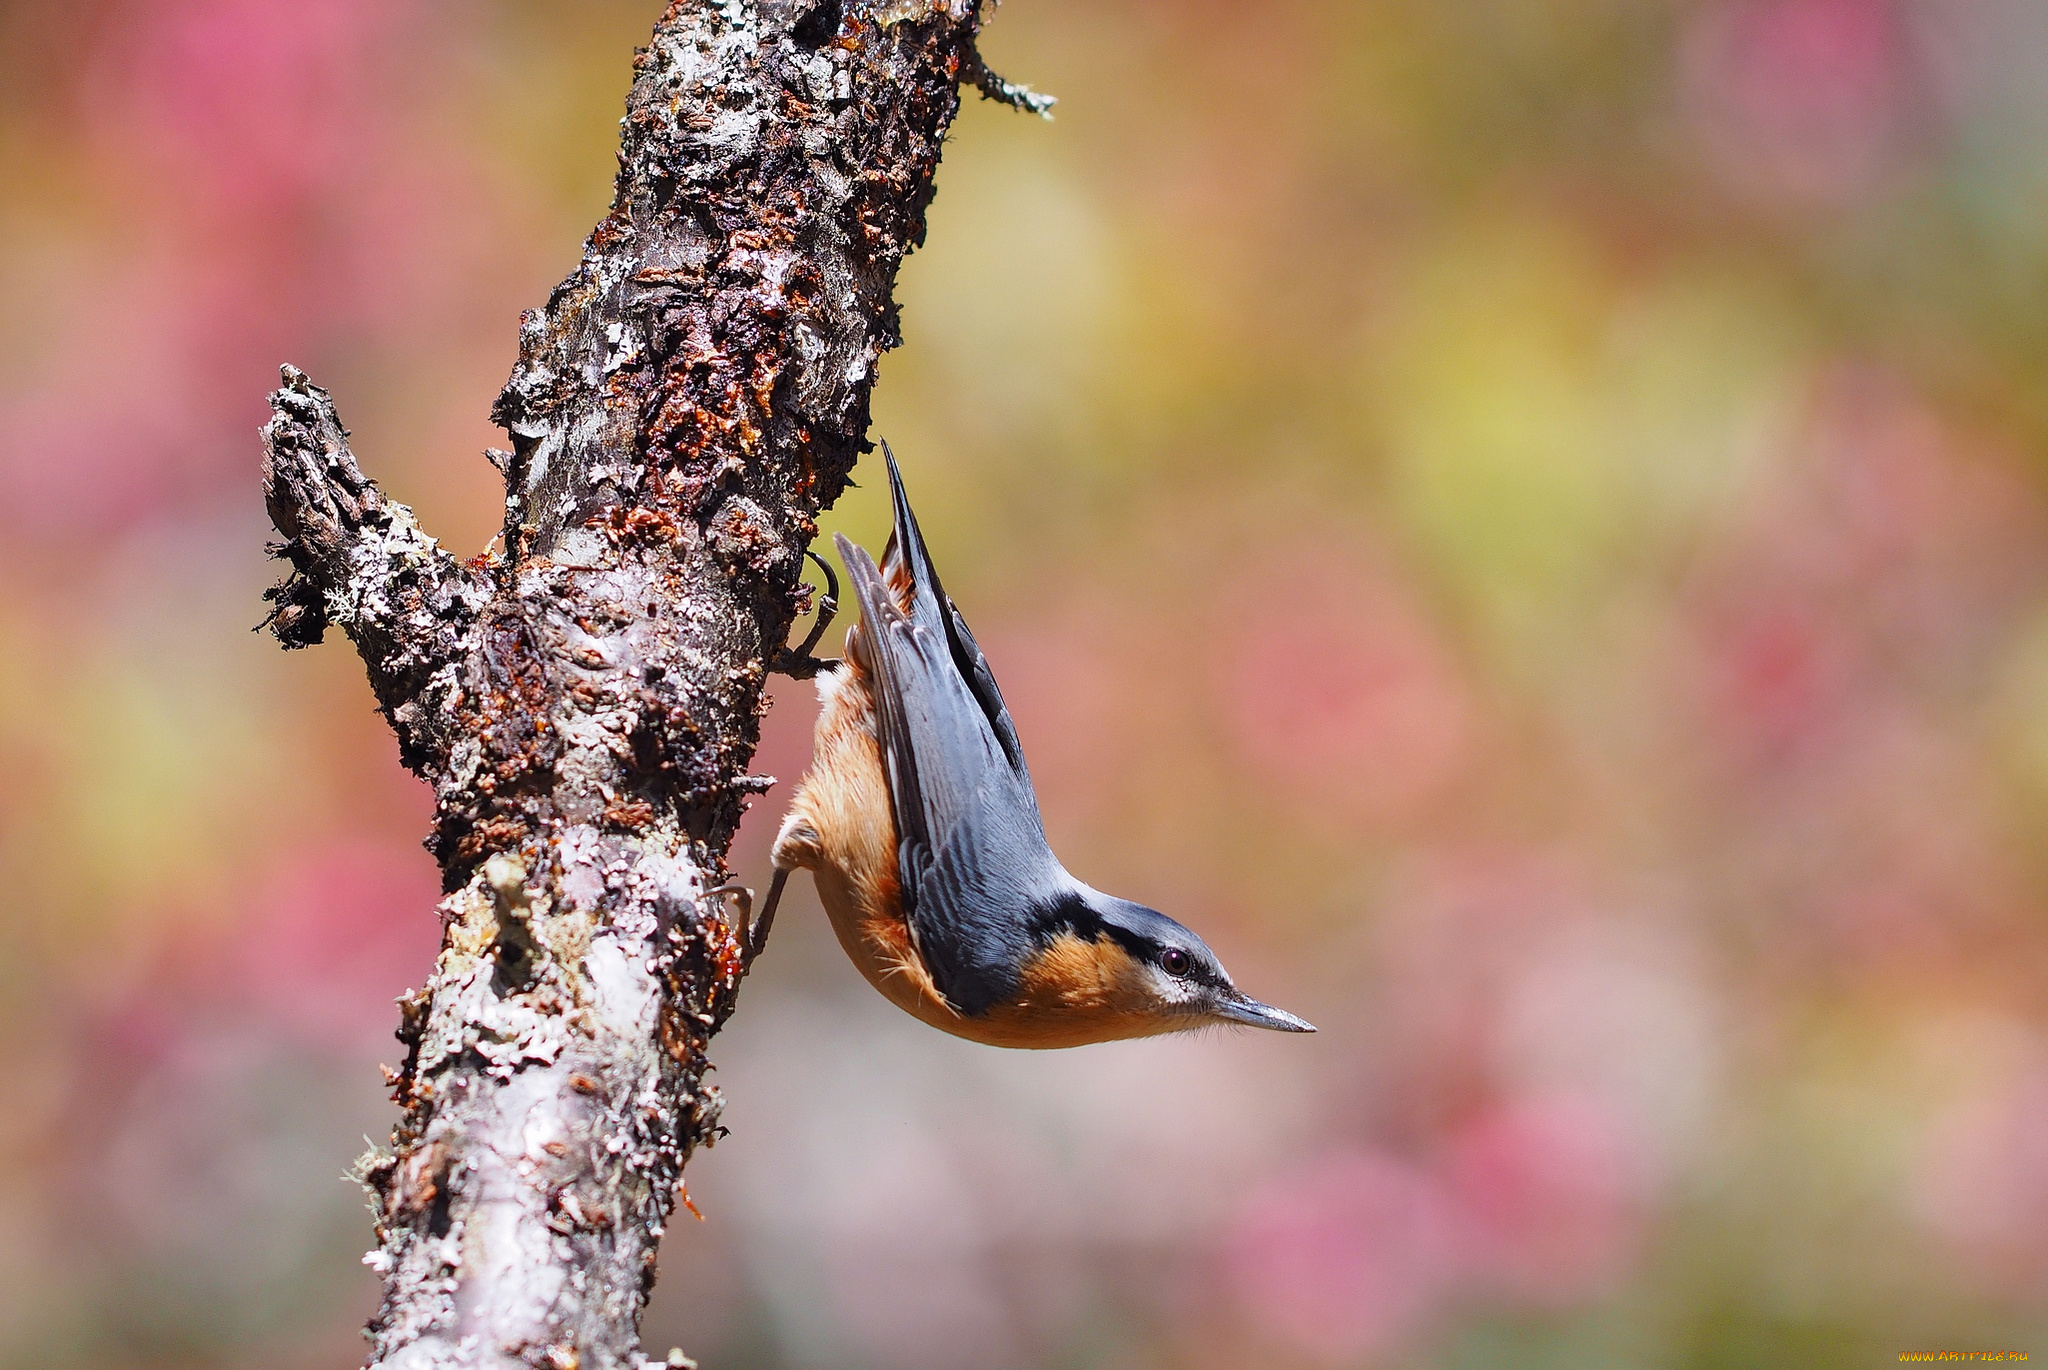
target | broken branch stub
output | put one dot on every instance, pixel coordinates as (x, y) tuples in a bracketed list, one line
[(585, 701)]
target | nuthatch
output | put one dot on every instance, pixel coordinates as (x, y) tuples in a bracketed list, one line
[(919, 823)]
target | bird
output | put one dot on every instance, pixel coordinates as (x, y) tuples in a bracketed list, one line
[(921, 829)]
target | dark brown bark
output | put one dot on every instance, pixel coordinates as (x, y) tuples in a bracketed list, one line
[(585, 700)]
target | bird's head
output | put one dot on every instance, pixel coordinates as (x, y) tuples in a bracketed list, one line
[(1124, 970)]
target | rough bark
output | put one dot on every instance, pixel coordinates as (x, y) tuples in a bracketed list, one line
[(585, 699)]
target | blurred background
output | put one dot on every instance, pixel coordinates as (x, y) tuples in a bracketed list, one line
[(1521, 520)]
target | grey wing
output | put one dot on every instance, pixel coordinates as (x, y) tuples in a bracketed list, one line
[(975, 918), (971, 848), (982, 681)]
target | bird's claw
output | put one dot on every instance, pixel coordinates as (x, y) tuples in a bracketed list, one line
[(753, 931), (742, 895), (797, 662)]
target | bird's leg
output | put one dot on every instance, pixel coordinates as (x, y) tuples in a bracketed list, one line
[(757, 932), (797, 662)]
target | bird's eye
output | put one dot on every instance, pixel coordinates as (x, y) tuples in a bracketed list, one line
[(1174, 961)]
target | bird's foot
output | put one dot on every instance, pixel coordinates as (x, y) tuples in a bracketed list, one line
[(797, 662)]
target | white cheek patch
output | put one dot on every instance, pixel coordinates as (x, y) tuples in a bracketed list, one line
[(1171, 989)]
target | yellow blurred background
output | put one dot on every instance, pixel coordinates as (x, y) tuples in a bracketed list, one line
[(1520, 520)]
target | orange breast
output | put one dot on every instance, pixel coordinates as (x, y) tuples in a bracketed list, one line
[(840, 829)]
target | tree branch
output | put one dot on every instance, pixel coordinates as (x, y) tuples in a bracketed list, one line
[(360, 561), (585, 701)]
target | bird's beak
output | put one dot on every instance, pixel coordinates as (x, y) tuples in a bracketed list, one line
[(1252, 1013)]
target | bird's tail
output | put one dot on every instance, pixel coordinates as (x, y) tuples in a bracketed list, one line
[(905, 563)]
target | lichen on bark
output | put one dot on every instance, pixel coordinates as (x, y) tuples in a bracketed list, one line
[(585, 699)]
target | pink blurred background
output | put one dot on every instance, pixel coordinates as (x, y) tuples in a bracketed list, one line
[(1523, 522)]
